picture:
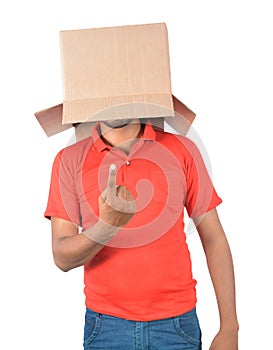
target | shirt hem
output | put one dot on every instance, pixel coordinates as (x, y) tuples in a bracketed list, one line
[(151, 317)]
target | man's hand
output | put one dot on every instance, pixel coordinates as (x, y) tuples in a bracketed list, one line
[(225, 340), (116, 203)]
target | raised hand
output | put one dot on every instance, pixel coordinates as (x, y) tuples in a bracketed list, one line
[(116, 203)]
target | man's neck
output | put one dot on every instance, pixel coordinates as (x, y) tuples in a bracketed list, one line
[(123, 138)]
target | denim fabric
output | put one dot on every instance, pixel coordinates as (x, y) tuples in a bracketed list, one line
[(107, 332)]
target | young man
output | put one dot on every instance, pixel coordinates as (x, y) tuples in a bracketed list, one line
[(126, 186)]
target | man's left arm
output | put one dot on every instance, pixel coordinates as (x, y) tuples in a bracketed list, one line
[(220, 265)]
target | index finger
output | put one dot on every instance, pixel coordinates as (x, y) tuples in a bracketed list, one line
[(112, 180)]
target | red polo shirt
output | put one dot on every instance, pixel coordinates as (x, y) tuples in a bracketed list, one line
[(144, 272)]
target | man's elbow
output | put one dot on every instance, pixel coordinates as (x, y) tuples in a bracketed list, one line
[(63, 267)]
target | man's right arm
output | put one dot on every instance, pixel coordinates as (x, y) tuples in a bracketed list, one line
[(71, 249)]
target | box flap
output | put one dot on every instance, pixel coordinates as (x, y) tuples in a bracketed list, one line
[(113, 66), (51, 119)]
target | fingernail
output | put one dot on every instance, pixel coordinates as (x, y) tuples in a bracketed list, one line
[(113, 168)]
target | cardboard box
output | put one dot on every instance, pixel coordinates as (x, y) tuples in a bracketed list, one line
[(115, 73)]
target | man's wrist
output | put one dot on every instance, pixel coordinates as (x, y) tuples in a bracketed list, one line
[(101, 232), (231, 326)]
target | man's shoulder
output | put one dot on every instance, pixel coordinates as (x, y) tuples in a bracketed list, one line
[(80, 145), (76, 152), (175, 141)]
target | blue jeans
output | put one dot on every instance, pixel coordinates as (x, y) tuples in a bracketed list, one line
[(107, 332)]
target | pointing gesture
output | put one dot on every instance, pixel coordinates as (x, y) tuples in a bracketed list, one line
[(116, 203)]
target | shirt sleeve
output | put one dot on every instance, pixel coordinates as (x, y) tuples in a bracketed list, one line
[(201, 195), (62, 199)]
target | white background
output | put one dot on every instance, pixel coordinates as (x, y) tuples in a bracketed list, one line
[(221, 62)]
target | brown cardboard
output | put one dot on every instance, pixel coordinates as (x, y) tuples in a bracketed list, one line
[(50, 120), (115, 73), (116, 66)]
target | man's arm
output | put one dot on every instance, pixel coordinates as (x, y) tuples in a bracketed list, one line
[(220, 266), (71, 249)]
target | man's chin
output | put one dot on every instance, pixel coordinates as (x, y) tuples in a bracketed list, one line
[(117, 124)]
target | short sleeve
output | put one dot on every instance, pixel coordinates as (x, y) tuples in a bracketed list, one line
[(62, 199), (201, 195)]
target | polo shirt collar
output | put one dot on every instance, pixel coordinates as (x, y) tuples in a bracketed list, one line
[(99, 145)]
